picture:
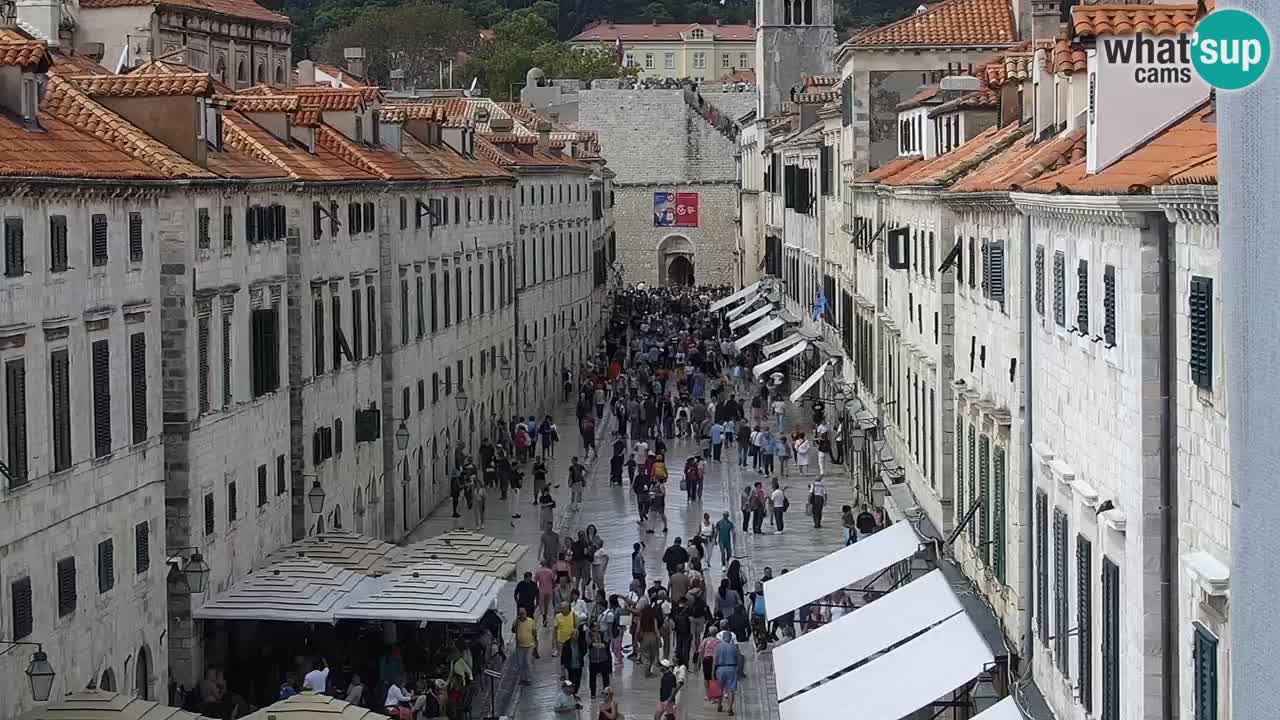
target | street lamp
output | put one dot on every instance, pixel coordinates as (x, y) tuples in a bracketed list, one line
[(504, 367), (402, 437), (574, 330), (461, 398), (315, 497), (39, 672), (192, 575), (529, 350)]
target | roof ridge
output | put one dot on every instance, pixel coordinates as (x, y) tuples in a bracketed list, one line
[(929, 13), (63, 98)]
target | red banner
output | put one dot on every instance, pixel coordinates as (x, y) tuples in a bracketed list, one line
[(675, 209)]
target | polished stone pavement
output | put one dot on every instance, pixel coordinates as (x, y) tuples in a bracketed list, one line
[(612, 510)]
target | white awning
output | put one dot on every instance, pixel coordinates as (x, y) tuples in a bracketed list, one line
[(777, 360), (747, 303), (728, 300), (1006, 709), (428, 592), (468, 550), (783, 344), (810, 381), (759, 330), (752, 316), (299, 590), (871, 629), (840, 569), (902, 680)]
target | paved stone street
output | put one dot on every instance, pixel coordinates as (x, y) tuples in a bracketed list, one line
[(612, 510)]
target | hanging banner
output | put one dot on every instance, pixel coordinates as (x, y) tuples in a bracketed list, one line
[(675, 209)]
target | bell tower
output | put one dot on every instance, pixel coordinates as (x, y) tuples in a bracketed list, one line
[(793, 38)]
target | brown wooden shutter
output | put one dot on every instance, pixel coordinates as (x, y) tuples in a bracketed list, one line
[(14, 253), (202, 228), (57, 243), (202, 365), (141, 547)]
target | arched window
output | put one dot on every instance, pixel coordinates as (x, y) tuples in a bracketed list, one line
[(242, 71), (108, 683), (261, 75), (808, 12), (279, 74), (337, 517), (142, 674), (786, 6), (221, 72)]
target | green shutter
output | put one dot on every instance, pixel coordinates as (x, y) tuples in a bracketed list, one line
[(1084, 621), (1110, 640), (984, 498), (1206, 674), (1042, 566), (960, 508), (1201, 326), (998, 512), (973, 481)]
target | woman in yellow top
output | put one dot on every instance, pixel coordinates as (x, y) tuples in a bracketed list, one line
[(565, 625)]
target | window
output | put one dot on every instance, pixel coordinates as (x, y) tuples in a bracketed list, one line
[(973, 262), (435, 316), (15, 387), (1060, 288), (66, 586), (228, 228), (457, 290), (447, 297), (1110, 640), (265, 349), (435, 388), (973, 483), (1084, 621), (98, 239), (202, 365), (202, 228), (422, 396), (481, 293), (101, 398), (404, 311), (669, 61), (1082, 297), (57, 243), (208, 514), (14, 261), (1205, 659), (743, 61), (724, 61), (699, 60), (317, 334), (1039, 287), (993, 271), (106, 566), (1061, 624), (1042, 566), (984, 498), (629, 60), (357, 325), (1200, 319), (359, 129), (23, 615), (262, 485), (371, 307), (696, 34), (648, 60), (368, 217), (337, 438), (1109, 305), (280, 479), (232, 504), (138, 385), (997, 512), (60, 395), (420, 317), (135, 237)]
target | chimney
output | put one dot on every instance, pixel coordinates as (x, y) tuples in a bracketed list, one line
[(397, 80), (306, 72), (355, 61), (1046, 19), (544, 135), (40, 18), (954, 86)]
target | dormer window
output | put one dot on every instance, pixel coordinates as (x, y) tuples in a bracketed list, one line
[(30, 99), (696, 34)]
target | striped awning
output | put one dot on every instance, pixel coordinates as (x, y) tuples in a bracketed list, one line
[(313, 706), (105, 705), (428, 592), (467, 550), (350, 551), (299, 590)]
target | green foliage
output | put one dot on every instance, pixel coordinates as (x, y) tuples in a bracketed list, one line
[(414, 37)]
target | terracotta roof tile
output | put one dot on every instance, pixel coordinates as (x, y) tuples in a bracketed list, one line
[(246, 9), (243, 134), (264, 103), (812, 81), (136, 85), (307, 117), (817, 98), (984, 99), (417, 111), (1066, 58), (950, 167), (1203, 171), (61, 150), (384, 164), (77, 65), (523, 151), (927, 95), (1188, 144), (70, 105), (1023, 162), (445, 164), (891, 168), (662, 32), (1130, 19), (17, 49), (336, 99), (950, 22)]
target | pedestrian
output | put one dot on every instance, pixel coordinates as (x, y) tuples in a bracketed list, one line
[(848, 524), (706, 531), (598, 658), (577, 482), (547, 506), (573, 656), (588, 430), (745, 447), (583, 551), (865, 522), (637, 563), (641, 485), (767, 451), (759, 501), (616, 463), (744, 504), (726, 663), (716, 435), (658, 504), (609, 707), (526, 594), (727, 599), (526, 636), (724, 538), (802, 449), (455, 489), (550, 435), (668, 686), (599, 565), (565, 625), (822, 434), (479, 497), (675, 556), (647, 636), (539, 478), (545, 578), (599, 401), (780, 506), (707, 655), (817, 500), (682, 628)]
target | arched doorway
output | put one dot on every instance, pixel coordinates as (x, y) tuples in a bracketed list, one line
[(142, 674), (675, 261), (108, 682)]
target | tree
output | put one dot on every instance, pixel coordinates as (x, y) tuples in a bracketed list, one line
[(414, 38)]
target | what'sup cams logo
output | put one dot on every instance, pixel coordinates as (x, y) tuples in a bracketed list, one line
[(1228, 49)]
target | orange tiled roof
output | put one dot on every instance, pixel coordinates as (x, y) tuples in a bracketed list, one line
[(812, 81), (17, 49), (891, 168), (661, 32), (77, 65), (817, 98), (307, 117), (1066, 58), (140, 85), (246, 9), (950, 22), (264, 103), (924, 96), (417, 111), (65, 101), (1203, 171), (342, 75), (1187, 144), (984, 99), (1130, 19), (336, 99), (1023, 162), (242, 134), (948, 168), (443, 163), (375, 161), (61, 150)]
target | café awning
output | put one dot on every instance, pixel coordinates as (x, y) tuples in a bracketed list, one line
[(298, 590), (1006, 709), (106, 705), (428, 592), (313, 706), (871, 629), (758, 331), (728, 300), (351, 551), (810, 381), (777, 360), (752, 316), (840, 569), (468, 550), (742, 307), (901, 681), (783, 344)]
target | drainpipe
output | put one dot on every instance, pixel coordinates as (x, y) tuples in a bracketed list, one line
[(1028, 466), (1168, 466)]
